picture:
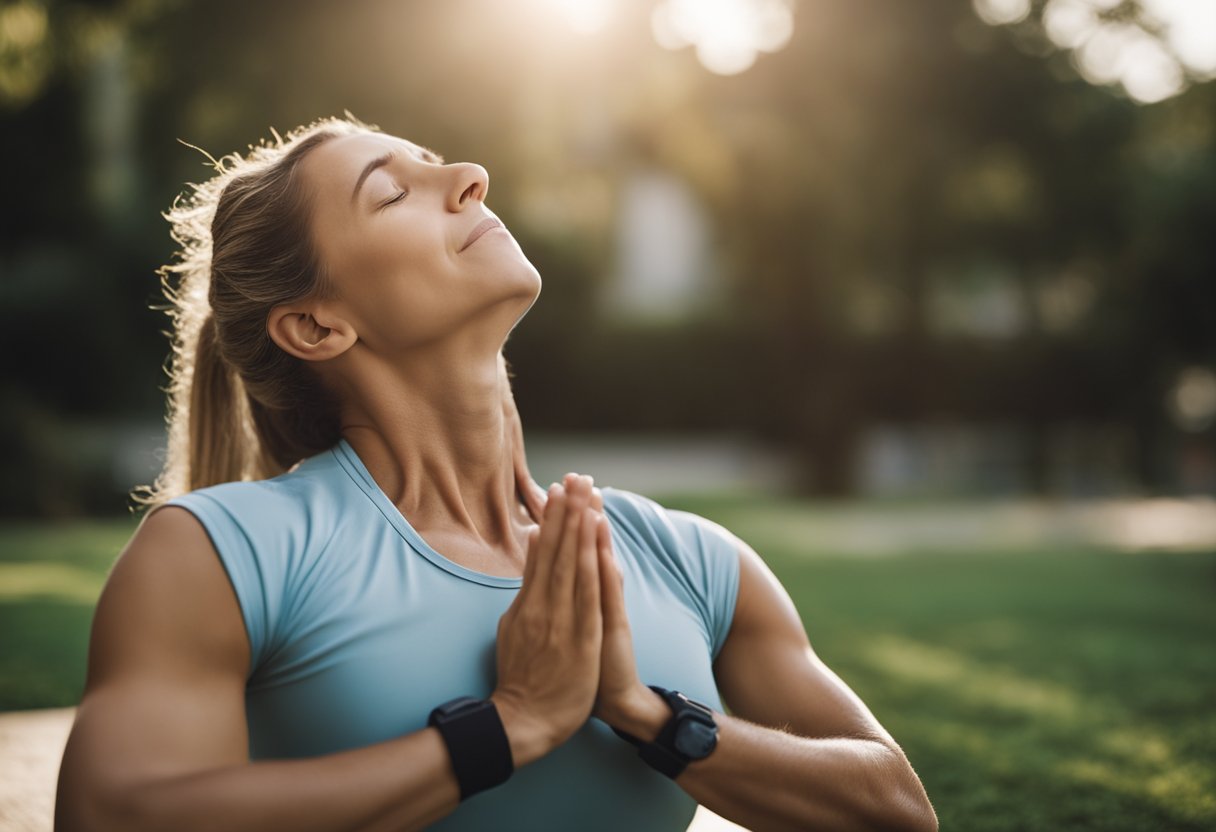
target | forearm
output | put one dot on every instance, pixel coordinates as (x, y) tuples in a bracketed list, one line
[(405, 783), (402, 783), (767, 779)]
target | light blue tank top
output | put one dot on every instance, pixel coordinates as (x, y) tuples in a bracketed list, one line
[(358, 629)]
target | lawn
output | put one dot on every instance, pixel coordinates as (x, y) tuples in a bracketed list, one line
[(1069, 689)]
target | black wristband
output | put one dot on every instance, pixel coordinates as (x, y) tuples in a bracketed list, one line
[(476, 741), (680, 740)]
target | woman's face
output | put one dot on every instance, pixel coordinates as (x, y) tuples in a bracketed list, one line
[(392, 225)]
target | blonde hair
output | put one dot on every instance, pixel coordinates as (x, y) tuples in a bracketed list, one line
[(239, 407)]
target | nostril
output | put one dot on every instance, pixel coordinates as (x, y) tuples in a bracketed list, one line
[(468, 192)]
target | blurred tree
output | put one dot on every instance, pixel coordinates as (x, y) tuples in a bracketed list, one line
[(919, 216)]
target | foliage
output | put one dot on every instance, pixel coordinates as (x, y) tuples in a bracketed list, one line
[(894, 160)]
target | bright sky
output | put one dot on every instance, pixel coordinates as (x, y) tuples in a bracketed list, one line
[(728, 35)]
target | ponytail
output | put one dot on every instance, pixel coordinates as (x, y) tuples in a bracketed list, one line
[(217, 430), (239, 407)]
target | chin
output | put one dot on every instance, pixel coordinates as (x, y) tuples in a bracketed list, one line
[(527, 297), (526, 278)]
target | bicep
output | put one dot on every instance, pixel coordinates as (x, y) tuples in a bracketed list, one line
[(168, 658), (768, 673)]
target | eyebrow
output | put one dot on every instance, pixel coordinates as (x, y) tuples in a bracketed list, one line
[(380, 161)]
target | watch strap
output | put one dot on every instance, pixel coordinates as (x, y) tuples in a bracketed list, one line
[(661, 754), (477, 743)]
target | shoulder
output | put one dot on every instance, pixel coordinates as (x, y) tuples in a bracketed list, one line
[(264, 536), (646, 517), (302, 485), (698, 554), (166, 587), (278, 512)]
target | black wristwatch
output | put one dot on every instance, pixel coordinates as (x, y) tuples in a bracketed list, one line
[(691, 734), (476, 741)]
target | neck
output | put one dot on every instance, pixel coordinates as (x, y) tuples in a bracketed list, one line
[(433, 432)]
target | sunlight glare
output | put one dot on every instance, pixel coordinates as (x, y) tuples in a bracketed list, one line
[(1127, 54), (1190, 31), (1150, 61), (583, 16), (727, 34), (1150, 72), (1002, 12), (1070, 22)]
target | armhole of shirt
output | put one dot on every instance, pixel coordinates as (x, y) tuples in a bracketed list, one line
[(238, 556)]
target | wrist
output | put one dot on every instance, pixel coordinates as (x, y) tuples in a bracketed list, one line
[(528, 739), (643, 715), (690, 733)]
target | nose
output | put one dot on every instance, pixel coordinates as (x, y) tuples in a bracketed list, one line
[(470, 182)]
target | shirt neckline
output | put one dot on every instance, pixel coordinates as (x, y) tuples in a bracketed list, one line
[(354, 467)]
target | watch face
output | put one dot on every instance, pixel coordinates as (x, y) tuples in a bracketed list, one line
[(695, 739)]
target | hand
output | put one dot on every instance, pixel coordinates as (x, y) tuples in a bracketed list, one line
[(621, 694), (620, 686), (549, 639)]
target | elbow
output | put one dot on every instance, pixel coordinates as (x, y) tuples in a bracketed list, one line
[(91, 810), (921, 819), (909, 811), (909, 807)]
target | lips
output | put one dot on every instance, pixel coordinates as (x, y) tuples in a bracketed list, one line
[(479, 229)]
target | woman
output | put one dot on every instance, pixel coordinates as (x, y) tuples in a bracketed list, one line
[(281, 645)]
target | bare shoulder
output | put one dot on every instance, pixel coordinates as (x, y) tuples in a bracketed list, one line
[(769, 673), (168, 660), (168, 590)]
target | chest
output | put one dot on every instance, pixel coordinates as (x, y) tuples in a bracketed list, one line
[(372, 641), (371, 647)]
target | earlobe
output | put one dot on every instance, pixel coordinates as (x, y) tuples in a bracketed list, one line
[(298, 332)]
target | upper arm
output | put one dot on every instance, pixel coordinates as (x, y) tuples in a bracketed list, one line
[(768, 673), (168, 659)]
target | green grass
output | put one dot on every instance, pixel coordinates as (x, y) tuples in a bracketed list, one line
[(50, 576), (1032, 690), (1044, 690)]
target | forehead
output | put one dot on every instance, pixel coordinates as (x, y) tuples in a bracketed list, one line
[(337, 163)]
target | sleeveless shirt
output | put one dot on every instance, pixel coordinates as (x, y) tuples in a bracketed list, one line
[(358, 629)]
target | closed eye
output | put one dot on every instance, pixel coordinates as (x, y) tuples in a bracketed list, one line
[(397, 198)]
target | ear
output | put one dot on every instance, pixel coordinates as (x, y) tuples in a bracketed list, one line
[(309, 332)]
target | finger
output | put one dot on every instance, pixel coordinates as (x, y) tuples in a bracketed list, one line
[(550, 532), (565, 562), (612, 590), (597, 499), (587, 588)]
